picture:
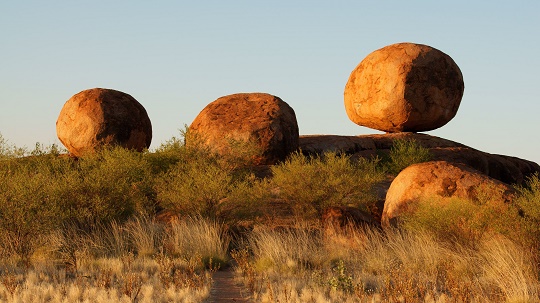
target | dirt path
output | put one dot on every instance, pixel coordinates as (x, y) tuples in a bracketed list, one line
[(225, 289)]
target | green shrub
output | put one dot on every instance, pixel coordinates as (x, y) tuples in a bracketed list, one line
[(311, 184), (110, 185), (29, 206), (404, 153), (195, 186), (246, 199)]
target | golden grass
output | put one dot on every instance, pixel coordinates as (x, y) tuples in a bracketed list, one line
[(138, 261), (364, 265)]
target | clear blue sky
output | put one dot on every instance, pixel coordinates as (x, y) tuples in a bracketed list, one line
[(175, 57)]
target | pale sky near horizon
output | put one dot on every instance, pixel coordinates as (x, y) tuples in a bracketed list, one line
[(175, 57)]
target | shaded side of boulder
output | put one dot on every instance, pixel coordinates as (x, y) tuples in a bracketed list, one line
[(247, 118), (441, 180), (404, 87), (100, 117)]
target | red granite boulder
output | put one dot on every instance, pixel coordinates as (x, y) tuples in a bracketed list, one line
[(404, 87), (441, 180), (260, 119), (100, 117)]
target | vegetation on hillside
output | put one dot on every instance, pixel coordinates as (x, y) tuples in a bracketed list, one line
[(85, 229)]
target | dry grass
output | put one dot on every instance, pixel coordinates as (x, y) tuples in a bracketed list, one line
[(362, 265), (102, 280), (120, 263)]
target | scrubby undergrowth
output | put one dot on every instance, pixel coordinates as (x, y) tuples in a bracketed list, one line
[(86, 229)]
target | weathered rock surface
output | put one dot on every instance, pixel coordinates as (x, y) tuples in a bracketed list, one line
[(258, 118), (507, 169), (100, 117), (441, 180), (404, 87)]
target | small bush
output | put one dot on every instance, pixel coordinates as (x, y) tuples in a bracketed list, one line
[(405, 153), (110, 185), (311, 184), (194, 187), (30, 203)]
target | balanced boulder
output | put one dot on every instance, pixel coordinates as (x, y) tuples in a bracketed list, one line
[(100, 117), (258, 120), (404, 87), (441, 180)]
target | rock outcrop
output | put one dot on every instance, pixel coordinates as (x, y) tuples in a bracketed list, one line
[(441, 180), (507, 169), (404, 87), (100, 117), (262, 119)]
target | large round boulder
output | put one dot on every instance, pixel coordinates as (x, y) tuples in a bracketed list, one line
[(251, 119), (100, 117), (404, 87), (441, 180)]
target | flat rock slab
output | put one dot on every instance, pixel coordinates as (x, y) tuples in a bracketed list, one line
[(510, 170), (226, 289)]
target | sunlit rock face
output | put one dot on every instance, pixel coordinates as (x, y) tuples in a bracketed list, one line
[(100, 117), (439, 182), (404, 87), (263, 120)]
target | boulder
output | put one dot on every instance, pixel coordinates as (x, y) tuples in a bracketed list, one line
[(404, 87), (258, 118), (442, 180), (319, 144), (510, 170), (100, 117)]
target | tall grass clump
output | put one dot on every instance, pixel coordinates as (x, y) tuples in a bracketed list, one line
[(198, 236), (405, 152), (311, 184), (528, 203), (286, 250), (145, 234), (391, 266), (511, 269)]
